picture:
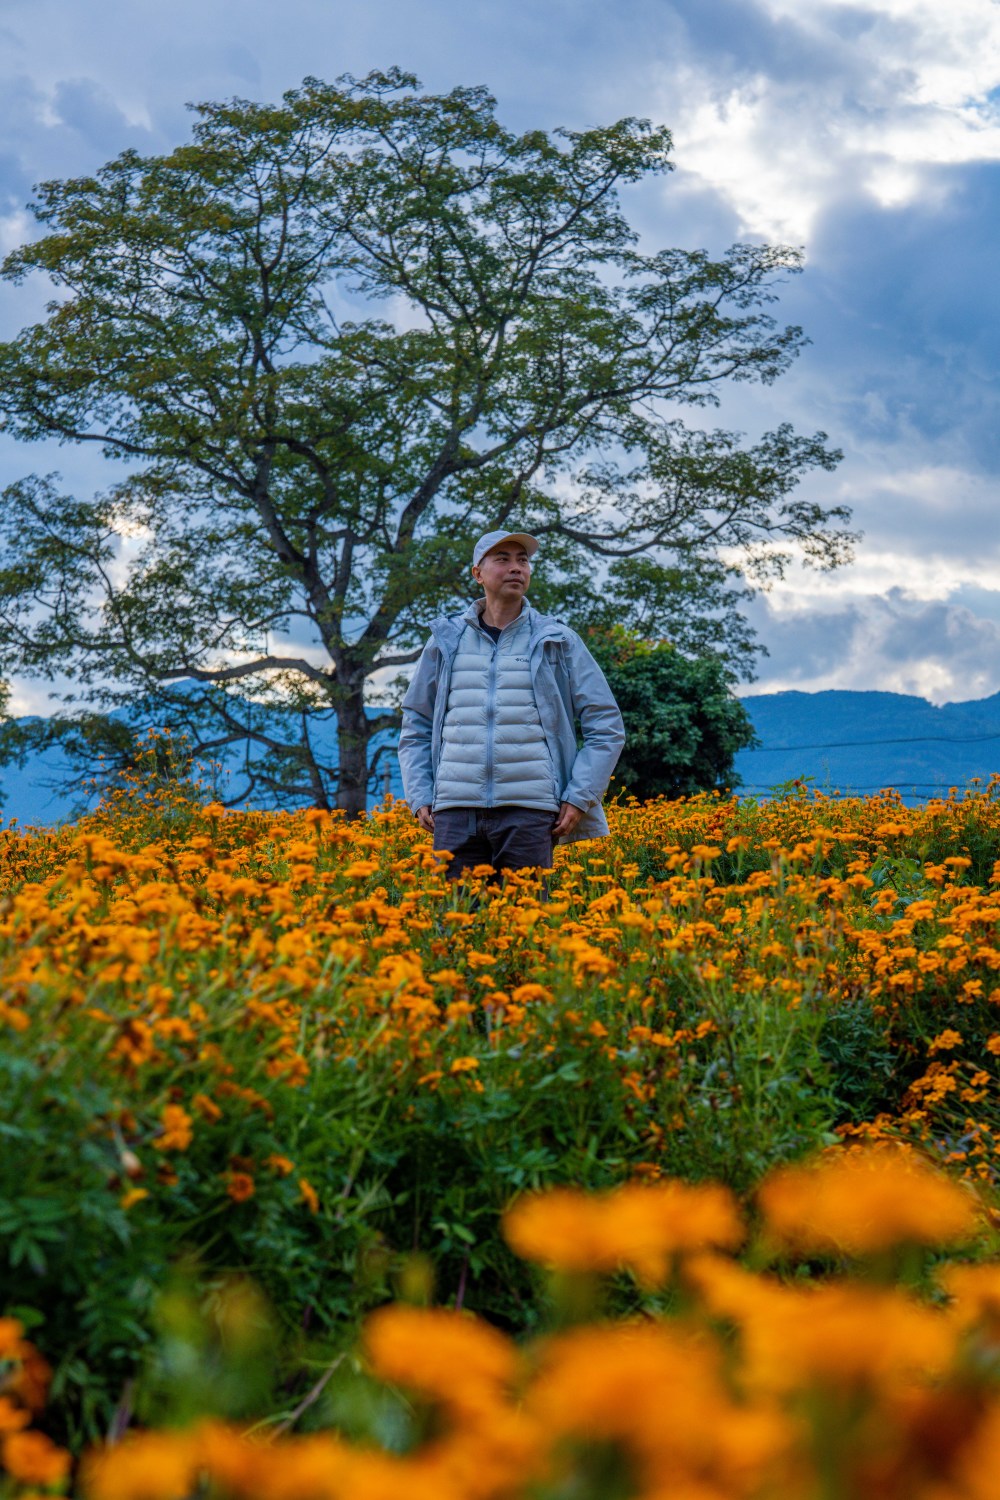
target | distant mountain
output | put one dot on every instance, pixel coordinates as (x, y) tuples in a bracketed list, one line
[(844, 742), (36, 794), (861, 742)]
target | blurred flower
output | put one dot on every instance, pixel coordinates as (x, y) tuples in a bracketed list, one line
[(283, 1165), (637, 1227), (240, 1186), (144, 1466), (177, 1132), (12, 1417), (863, 1203), (32, 1458), (447, 1356)]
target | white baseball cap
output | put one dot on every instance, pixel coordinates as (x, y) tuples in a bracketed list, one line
[(494, 538)]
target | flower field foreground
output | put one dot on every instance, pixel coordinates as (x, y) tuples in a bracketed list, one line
[(284, 1045), (878, 1382)]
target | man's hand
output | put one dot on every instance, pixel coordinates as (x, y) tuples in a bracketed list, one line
[(569, 816), (425, 817)]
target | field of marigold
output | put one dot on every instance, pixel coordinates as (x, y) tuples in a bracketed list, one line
[(281, 1051)]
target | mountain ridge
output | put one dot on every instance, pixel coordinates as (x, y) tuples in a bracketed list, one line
[(862, 740)]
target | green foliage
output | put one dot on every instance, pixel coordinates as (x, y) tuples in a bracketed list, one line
[(85, 1272), (866, 1075), (683, 724), (303, 492), (213, 1352)]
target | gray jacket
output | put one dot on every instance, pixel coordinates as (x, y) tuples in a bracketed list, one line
[(568, 685)]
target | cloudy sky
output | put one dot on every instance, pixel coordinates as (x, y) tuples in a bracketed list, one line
[(867, 132)]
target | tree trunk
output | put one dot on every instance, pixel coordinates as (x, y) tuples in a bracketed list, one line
[(352, 748)]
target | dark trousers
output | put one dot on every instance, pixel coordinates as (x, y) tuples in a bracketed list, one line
[(508, 838)]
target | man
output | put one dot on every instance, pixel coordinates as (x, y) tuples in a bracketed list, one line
[(488, 748)]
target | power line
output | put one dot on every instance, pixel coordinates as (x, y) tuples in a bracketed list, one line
[(913, 739), (876, 786)]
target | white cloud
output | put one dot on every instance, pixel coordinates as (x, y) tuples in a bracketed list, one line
[(875, 572), (775, 181), (907, 88), (951, 52), (894, 642), (15, 229), (28, 698)]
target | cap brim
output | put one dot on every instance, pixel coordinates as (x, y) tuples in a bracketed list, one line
[(529, 543)]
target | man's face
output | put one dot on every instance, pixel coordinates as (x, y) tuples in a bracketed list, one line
[(504, 572)]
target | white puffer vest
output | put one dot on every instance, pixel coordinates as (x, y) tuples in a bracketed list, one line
[(493, 750)]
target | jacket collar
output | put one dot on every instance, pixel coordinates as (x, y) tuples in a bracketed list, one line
[(474, 612), (447, 629)]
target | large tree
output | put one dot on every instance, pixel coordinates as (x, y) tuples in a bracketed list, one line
[(329, 343)]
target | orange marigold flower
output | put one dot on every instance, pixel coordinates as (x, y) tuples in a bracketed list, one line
[(450, 977), (146, 1466), (236, 1463), (608, 1384), (834, 1334), (12, 1417), (455, 1359), (177, 1132), (638, 1227), (975, 1294), (280, 1164), (310, 1197), (29, 1381), (240, 1186), (175, 1028), (947, 1041), (523, 994), (11, 1338), (863, 1203), (132, 1197), (207, 1108), (32, 1458), (294, 1069), (849, 1336)]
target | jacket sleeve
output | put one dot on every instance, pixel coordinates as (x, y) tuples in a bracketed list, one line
[(415, 757), (602, 725)]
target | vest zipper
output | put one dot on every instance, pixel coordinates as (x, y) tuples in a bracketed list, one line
[(491, 695)]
